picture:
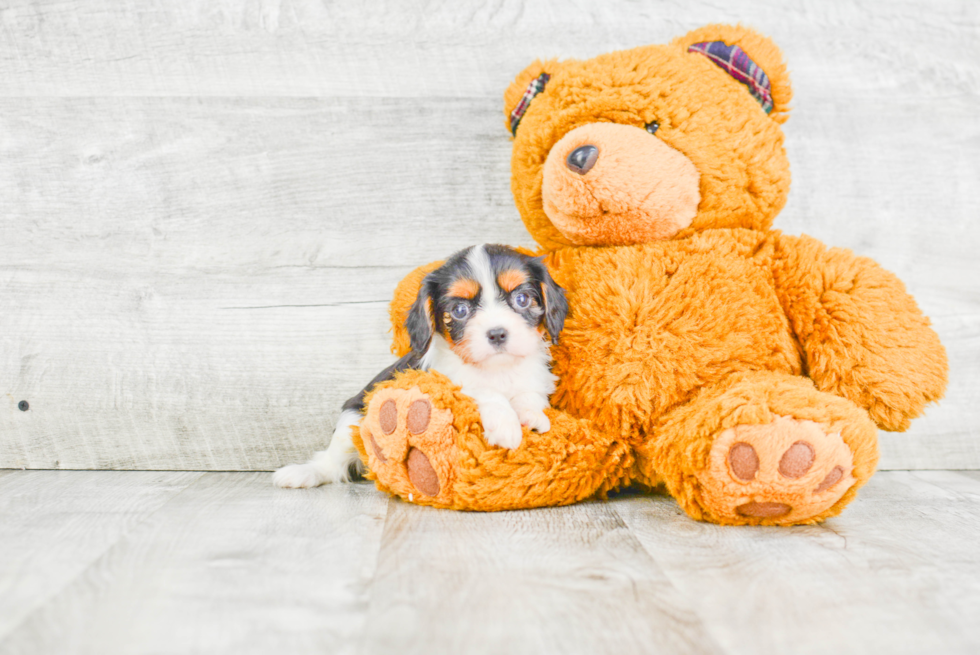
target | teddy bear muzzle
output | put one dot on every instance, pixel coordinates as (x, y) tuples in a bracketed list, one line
[(611, 184)]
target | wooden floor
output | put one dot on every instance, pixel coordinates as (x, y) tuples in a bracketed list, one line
[(174, 562)]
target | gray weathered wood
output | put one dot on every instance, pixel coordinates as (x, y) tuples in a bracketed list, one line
[(232, 564), (161, 164), (132, 562), (208, 298), (562, 580), (53, 525), (467, 48), (973, 475), (897, 572)]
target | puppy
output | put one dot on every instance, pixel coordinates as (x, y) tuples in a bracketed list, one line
[(481, 319)]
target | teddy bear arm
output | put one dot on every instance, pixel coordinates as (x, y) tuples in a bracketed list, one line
[(422, 439), (405, 294), (863, 336)]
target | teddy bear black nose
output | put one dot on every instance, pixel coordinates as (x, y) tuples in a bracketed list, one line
[(582, 159)]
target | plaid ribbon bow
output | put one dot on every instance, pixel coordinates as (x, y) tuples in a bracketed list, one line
[(740, 66), (534, 88)]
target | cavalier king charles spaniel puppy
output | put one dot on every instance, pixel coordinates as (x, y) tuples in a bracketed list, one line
[(484, 319)]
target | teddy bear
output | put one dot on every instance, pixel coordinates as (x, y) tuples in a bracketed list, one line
[(743, 371)]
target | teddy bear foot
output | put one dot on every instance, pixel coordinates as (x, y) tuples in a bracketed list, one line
[(784, 472), (409, 445)]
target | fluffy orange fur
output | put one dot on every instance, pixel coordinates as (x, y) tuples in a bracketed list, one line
[(405, 294), (640, 189), (678, 350), (703, 113)]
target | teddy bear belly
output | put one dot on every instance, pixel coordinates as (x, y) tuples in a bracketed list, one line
[(645, 336)]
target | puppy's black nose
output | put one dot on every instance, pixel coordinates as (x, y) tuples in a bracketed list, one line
[(582, 159), (497, 336)]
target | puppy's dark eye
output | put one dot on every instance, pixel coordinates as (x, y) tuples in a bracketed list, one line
[(522, 300), (652, 127), (460, 311)]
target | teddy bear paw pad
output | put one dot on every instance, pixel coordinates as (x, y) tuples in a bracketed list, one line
[(410, 445), (786, 471)]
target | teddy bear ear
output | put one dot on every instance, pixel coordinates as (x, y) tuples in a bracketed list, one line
[(749, 58), (530, 82)]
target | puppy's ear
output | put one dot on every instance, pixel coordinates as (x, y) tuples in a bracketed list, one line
[(420, 321), (555, 305)]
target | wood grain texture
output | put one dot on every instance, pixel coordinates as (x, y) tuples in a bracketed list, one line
[(231, 565), (209, 296), (896, 573), (562, 580), (162, 164), (434, 48), (112, 562), (53, 525), (973, 475)]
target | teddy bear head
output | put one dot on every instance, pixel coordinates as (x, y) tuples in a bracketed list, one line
[(651, 143)]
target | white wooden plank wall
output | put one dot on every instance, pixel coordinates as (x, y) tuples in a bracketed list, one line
[(204, 206)]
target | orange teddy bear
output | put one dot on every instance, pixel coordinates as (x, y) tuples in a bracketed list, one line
[(742, 370)]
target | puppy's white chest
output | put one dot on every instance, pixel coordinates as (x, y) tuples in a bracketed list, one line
[(508, 397), (531, 374)]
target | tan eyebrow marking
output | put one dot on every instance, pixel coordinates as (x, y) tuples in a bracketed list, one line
[(464, 288), (511, 279)]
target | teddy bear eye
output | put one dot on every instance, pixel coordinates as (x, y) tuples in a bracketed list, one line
[(652, 127)]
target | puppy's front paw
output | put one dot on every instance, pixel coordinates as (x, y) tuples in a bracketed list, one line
[(501, 427), (297, 476), (535, 419)]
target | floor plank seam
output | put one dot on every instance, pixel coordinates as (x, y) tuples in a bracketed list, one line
[(369, 596), (675, 583), (97, 558)]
